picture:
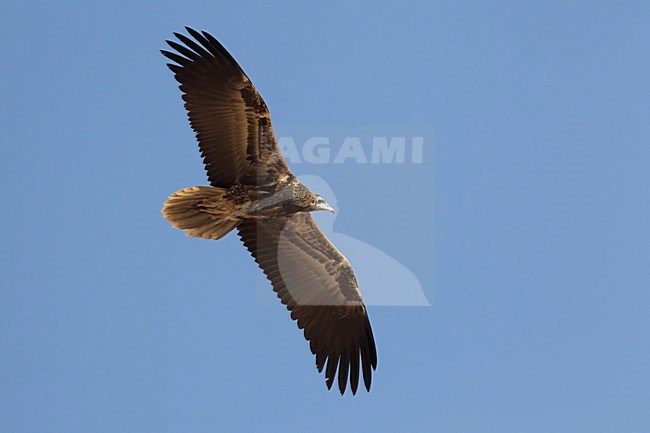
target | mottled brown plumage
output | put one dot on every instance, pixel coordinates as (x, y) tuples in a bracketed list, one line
[(254, 191)]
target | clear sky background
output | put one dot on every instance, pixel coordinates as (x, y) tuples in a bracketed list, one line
[(110, 321)]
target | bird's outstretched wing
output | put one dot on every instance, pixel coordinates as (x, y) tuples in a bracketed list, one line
[(231, 120), (316, 283)]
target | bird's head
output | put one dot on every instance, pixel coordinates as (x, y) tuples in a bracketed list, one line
[(319, 203)]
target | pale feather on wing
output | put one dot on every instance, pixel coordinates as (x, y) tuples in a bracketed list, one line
[(316, 283)]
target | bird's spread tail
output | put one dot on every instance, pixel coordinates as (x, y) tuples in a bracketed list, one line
[(202, 211)]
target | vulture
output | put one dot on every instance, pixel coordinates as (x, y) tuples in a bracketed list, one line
[(253, 191)]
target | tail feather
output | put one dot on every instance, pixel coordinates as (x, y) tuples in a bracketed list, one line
[(202, 211)]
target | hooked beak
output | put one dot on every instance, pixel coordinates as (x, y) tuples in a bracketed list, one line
[(324, 206)]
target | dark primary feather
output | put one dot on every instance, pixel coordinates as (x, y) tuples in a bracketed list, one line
[(231, 120), (316, 283)]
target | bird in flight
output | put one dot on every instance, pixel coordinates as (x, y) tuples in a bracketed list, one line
[(253, 191)]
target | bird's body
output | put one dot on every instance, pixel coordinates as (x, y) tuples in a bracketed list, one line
[(216, 206), (253, 191)]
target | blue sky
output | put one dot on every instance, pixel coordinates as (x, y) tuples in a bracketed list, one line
[(529, 229)]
